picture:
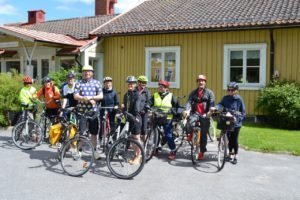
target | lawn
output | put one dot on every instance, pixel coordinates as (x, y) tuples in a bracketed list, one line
[(267, 139)]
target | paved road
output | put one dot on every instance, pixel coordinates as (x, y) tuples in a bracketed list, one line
[(36, 174)]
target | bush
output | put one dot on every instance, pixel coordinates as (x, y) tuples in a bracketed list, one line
[(10, 85), (281, 102), (59, 77)]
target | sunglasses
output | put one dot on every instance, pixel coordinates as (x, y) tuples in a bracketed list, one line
[(230, 90), (142, 82)]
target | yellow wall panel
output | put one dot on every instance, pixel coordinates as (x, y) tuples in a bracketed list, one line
[(201, 53)]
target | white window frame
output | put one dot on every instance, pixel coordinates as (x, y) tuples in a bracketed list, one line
[(262, 47), (163, 50)]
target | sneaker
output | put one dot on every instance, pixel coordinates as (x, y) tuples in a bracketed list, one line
[(234, 161), (97, 155), (228, 158), (172, 155), (200, 156), (76, 155), (189, 137), (136, 160)]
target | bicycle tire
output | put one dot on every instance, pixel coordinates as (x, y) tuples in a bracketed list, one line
[(178, 134), (212, 130), (119, 155), (150, 144), (77, 156), (195, 146), (27, 135), (222, 151)]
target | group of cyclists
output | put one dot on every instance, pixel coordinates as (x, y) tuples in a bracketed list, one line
[(87, 93)]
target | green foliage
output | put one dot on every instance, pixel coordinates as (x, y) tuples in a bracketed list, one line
[(281, 102), (268, 139), (59, 77), (10, 85)]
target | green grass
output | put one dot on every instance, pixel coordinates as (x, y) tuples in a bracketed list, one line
[(267, 139)]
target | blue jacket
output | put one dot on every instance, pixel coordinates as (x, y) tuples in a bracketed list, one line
[(233, 103), (110, 99)]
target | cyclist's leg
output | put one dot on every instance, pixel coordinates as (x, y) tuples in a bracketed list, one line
[(204, 123), (94, 129), (135, 131), (168, 134), (144, 118)]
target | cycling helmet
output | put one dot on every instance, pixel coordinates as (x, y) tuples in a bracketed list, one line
[(71, 75), (233, 85), (201, 77), (107, 78), (131, 79), (164, 83), (27, 79), (142, 79), (46, 79), (87, 68)]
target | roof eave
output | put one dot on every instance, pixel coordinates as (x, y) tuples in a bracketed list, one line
[(277, 26), (12, 33)]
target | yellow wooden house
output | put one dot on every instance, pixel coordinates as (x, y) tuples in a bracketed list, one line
[(244, 41)]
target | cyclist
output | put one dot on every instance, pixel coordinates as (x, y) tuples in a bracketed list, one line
[(68, 91), (131, 104), (198, 106), (110, 99), (165, 99), (233, 102), (145, 103), (87, 92), (51, 95), (26, 95)]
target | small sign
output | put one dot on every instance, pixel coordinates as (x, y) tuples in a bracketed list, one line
[(8, 44)]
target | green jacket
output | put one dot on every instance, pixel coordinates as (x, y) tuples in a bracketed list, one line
[(26, 95)]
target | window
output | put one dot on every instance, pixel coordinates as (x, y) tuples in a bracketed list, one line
[(13, 65), (163, 63), (67, 63), (45, 67), (246, 65)]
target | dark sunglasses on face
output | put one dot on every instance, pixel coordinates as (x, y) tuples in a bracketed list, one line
[(230, 90), (143, 82)]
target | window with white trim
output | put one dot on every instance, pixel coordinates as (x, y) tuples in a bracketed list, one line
[(246, 65), (163, 63)]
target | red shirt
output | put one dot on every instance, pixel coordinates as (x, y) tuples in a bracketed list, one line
[(200, 106)]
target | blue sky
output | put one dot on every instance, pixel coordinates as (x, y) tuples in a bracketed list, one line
[(16, 10)]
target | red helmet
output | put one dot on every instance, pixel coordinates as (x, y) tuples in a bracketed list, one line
[(201, 77), (27, 79), (164, 83)]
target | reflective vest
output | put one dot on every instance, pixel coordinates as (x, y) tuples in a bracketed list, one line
[(166, 103)]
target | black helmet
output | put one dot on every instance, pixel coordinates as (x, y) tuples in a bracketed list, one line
[(71, 75), (46, 79), (131, 79), (233, 85)]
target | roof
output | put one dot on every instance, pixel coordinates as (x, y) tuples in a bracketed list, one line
[(78, 28), (32, 35), (185, 15)]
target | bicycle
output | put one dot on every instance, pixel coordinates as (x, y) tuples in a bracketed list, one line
[(27, 134), (123, 151), (225, 123), (212, 130), (156, 135), (106, 130), (77, 152)]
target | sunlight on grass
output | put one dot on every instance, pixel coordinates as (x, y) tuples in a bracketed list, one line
[(266, 139)]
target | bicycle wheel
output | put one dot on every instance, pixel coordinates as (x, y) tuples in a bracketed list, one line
[(222, 151), (27, 135), (150, 143), (212, 130), (45, 123), (77, 156), (195, 146), (120, 156)]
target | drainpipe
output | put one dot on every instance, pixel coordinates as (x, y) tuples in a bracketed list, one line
[(272, 54), (78, 62)]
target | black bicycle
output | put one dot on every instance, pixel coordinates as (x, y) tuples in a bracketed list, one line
[(126, 157)]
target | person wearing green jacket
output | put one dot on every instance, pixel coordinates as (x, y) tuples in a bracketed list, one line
[(26, 94)]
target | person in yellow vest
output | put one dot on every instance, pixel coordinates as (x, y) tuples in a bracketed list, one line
[(26, 95), (166, 100)]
